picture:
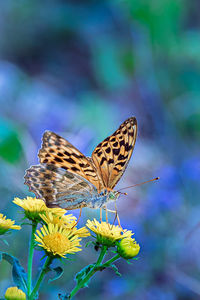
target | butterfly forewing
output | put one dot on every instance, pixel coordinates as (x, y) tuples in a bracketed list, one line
[(59, 152), (111, 156), (59, 187)]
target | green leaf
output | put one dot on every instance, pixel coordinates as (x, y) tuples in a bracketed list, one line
[(81, 275), (58, 271), (115, 269), (18, 272)]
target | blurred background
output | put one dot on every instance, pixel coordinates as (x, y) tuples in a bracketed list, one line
[(80, 68)]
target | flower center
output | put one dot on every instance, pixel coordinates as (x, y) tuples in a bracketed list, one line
[(56, 242)]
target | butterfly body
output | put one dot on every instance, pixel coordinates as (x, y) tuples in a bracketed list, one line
[(95, 201), (70, 180)]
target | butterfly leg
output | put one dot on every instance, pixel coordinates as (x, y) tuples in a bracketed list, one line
[(109, 210), (106, 209), (78, 217), (117, 216), (118, 220), (114, 217), (106, 215), (80, 214)]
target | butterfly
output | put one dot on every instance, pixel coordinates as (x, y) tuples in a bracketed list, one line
[(68, 179)]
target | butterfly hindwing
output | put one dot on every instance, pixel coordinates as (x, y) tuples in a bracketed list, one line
[(59, 152), (59, 187), (111, 156)]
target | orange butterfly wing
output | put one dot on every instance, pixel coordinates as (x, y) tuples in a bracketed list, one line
[(111, 156), (59, 152)]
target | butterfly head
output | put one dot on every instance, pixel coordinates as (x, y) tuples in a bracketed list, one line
[(113, 195)]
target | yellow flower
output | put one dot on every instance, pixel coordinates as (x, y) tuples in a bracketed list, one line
[(81, 232), (106, 233), (62, 220), (128, 248), (65, 221), (57, 211), (32, 207), (57, 241), (7, 224), (13, 293)]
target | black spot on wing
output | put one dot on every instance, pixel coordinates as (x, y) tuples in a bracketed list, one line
[(99, 153), (121, 163), (108, 150), (67, 153), (70, 160), (58, 159), (102, 161), (128, 147), (116, 151), (121, 157), (84, 165), (111, 161), (115, 144), (74, 169), (60, 154)]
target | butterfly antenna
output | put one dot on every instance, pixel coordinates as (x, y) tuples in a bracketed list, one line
[(128, 187), (122, 193)]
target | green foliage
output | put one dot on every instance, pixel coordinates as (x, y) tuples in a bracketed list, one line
[(115, 269), (161, 19), (10, 146), (58, 273), (83, 273), (18, 273)]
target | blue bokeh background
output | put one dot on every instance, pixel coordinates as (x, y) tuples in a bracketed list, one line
[(80, 68)]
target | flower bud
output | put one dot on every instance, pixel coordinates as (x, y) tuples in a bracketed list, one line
[(13, 293), (128, 248)]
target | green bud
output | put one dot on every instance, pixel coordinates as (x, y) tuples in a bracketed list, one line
[(128, 248)]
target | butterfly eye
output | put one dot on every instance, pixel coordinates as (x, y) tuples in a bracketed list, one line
[(112, 195)]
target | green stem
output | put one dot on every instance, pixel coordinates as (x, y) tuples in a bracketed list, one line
[(30, 258), (110, 261), (90, 274), (101, 256), (40, 278)]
